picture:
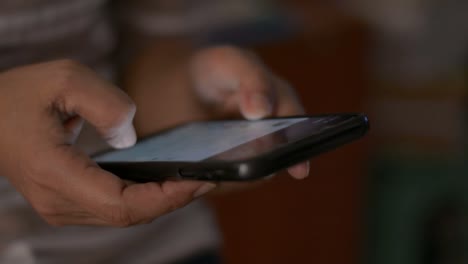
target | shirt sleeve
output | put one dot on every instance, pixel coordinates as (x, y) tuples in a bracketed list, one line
[(188, 17)]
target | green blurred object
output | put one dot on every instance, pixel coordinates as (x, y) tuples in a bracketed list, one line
[(419, 212)]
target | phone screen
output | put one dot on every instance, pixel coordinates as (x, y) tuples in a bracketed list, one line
[(225, 140), (198, 141)]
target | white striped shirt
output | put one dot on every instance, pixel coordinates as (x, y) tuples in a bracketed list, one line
[(38, 30)]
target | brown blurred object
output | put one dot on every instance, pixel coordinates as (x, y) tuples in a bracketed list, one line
[(317, 220)]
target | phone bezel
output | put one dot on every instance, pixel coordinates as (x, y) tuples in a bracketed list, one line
[(251, 168)]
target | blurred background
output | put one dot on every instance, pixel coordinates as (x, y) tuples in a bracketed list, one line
[(397, 196), (401, 194)]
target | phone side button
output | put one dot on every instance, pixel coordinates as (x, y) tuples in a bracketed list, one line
[(184, 173), (197, 175)]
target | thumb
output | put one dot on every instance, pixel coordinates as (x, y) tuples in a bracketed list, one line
[(255, 105), (256, 93), (234, 78), (123, 134), (103, 105)]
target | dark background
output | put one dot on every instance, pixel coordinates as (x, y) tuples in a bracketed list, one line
[(317, 220)]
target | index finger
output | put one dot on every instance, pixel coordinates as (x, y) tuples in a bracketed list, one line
[(233, 77), (82, 92)]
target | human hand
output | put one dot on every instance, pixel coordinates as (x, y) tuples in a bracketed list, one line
[(43, 107), (232, 82)]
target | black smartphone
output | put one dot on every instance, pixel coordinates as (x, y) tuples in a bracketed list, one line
[(234, 150)]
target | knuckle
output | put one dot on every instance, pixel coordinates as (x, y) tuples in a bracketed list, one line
[(234, 54), (67, 66), (216, 54), (66, 72), (224, 50), (221, 53)]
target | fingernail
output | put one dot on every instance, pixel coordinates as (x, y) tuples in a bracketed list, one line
[(300, 171), (205, 188), (124, 139), (260, 106), (307, 169)]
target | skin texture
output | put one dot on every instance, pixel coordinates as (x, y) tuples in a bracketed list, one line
[(43, 107)]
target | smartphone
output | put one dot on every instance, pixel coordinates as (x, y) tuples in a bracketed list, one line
[(232, 150)]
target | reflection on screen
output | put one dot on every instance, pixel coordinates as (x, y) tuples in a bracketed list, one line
[(198, 141)]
